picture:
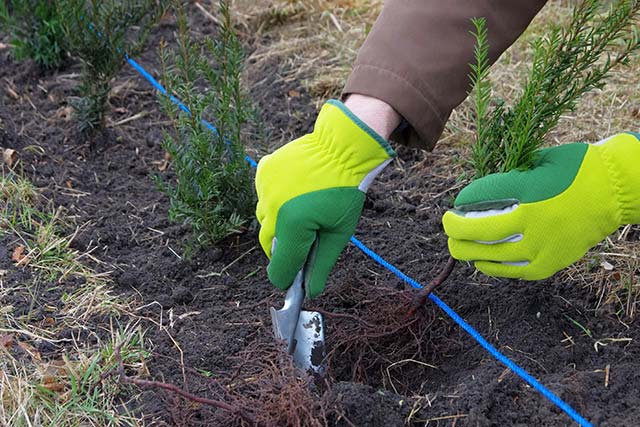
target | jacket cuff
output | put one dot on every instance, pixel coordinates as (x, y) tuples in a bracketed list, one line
[(426, 123)]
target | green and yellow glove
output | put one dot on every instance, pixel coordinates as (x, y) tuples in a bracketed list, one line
[(314, 188), (530, 224)]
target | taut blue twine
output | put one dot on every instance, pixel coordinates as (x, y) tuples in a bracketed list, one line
[(476, 336), (144, 73), (377, 258)]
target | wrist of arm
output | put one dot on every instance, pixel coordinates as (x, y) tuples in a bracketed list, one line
[(377, 114)]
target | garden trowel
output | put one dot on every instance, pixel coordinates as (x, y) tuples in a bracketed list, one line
[(302, 330)]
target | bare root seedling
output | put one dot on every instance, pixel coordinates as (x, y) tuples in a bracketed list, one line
[(375, 335), (274, 391)]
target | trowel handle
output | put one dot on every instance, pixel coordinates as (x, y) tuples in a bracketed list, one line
[(295, 295)]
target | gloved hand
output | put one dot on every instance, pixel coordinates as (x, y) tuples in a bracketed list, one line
[(530, 224), (314, 188)]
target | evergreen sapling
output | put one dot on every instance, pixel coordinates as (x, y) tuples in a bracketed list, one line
[(36, 31), (567, 63), (100, 33), (213, 191)]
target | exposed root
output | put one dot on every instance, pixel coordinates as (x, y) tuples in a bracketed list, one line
[(121, 375), (367, 343), (423, 294), (273, 391)]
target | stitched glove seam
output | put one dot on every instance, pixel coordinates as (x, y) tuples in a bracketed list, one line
[(616, 184)]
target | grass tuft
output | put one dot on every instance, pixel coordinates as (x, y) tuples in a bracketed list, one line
[(73, 390)]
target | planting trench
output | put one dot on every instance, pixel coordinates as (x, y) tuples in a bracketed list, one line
[(384, 369)]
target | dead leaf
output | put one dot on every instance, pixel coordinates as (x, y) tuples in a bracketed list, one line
[(9, 156), (29, 349), (294, 93), (19, 256), (54, 386), (64, 113), (6, 340), (48, 379)]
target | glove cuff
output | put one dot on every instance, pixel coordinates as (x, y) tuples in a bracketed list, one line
[(351, 143), (621, 155)]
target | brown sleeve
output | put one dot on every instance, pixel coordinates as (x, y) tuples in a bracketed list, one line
[(417, 55)]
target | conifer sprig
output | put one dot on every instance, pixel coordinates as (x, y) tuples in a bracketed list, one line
[(567, 63), (100, 33)]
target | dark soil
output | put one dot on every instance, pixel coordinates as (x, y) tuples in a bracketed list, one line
[(214, 302)]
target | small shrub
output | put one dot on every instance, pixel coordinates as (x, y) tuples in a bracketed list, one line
[(567, 63), (214, 187), (100, 33), (36, 31)]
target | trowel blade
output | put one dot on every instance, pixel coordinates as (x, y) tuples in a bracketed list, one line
[(284, 325), (309, 347), (305, 343)]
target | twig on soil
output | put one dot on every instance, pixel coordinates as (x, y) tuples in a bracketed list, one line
[(206, 13), (445, 417), (123, 377), (128, 119), (219, 273), (423, 294)]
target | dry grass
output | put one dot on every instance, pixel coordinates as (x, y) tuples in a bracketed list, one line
[(52, 350), (316, 41), (69, 391), (39, 241), (612, 271)]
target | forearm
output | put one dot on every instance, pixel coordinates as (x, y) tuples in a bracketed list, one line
[(416, 56)]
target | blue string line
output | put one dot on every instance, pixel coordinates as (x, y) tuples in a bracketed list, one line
[(464, 325), (377, 258), (176, 101)]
